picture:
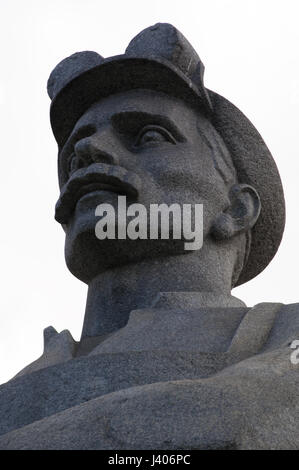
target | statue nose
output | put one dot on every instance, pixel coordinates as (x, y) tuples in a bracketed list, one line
[(98, 148)]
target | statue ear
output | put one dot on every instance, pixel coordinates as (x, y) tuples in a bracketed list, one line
[(240, 216)]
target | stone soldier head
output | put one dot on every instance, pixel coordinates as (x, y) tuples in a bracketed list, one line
[(168, 359), (143, 125)]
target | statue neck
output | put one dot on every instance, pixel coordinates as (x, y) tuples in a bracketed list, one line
[(187, 281)]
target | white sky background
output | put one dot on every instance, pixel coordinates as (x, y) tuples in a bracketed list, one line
[(250, 51)]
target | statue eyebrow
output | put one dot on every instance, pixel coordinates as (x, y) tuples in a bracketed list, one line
[(130, 122)]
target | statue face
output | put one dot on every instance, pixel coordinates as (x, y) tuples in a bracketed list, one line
[(153, 147)]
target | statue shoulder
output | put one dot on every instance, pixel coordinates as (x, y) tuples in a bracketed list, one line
[(285, 328), (58, 348)]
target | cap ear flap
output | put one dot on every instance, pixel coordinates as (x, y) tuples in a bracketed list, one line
[(70, 68), (240, 216)]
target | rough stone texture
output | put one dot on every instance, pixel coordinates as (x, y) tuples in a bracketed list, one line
[(164, 398), (160, 58), (58, 347), (175, 415), (254, 166), (168, 359)]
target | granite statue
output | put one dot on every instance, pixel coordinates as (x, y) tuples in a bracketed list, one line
[(168, 358)]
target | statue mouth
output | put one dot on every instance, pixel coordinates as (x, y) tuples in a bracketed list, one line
[(96, 177)]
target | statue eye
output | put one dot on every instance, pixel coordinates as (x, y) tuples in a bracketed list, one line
[(153, 135), (72, 163)]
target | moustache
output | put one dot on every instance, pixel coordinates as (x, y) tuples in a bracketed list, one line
[(95, 177)]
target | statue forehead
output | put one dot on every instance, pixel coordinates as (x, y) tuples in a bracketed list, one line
[(141, 101)]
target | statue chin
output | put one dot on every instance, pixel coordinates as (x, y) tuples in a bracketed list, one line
[(86, 256)]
